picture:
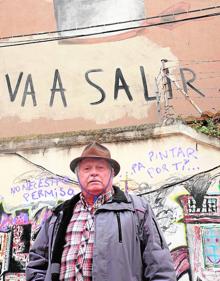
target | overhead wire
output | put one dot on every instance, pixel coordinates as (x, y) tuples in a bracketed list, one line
[(198, 79), (180, 64), (196, 61), (44, 40), (192, 62), (114, 23), (208, 72), (185, 94)]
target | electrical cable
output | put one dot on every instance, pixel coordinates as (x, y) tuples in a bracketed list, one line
[(201, 88), (198, 79), (208, 72), (173, 67), (115, 23), (196, 61), (197, 98), (27, 42)]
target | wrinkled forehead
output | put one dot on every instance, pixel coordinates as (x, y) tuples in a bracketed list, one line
[(94, 161)]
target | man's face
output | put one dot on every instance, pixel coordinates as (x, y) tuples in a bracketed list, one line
[(94, 175)]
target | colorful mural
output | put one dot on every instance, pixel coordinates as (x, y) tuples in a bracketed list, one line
[(199, 257), (181, 186)]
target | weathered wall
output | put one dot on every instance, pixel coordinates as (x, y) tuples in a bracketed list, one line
[(109, 79), (51, 84), (175, 168)]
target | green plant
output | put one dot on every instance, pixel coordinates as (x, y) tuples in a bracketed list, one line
[(207, 127)]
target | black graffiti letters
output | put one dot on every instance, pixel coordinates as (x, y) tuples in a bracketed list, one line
[(60, 89), (11, 93), (29, 84), (57, 87), (144, 81), (28, 89), (95, 86), (120, 84), (120, 87), (189, 82)]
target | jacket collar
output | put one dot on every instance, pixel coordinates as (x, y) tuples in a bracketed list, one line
[(118, 197)]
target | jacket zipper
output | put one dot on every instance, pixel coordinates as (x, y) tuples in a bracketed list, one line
[(119, 227)]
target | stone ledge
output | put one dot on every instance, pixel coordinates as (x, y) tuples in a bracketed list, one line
[(112, 135)]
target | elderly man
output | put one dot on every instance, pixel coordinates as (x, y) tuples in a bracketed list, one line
[(101, 233)]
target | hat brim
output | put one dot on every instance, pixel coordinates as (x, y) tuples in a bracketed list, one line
[(115, 165)]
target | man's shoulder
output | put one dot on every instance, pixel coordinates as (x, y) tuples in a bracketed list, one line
[(140, 203), (139, 200)]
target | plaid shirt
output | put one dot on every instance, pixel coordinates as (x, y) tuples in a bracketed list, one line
[(76, 262)]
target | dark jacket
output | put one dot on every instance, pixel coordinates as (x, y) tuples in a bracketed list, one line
[(128, 246)]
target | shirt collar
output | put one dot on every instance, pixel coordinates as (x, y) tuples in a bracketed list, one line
[(102, 199)]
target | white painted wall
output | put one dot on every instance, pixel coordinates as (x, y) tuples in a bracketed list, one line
[(37, 179)]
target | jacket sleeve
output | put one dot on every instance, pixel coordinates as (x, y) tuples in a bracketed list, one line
[(157, 260), (38, 256)]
